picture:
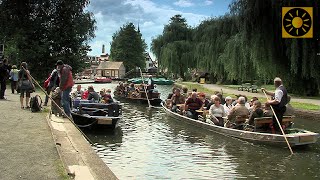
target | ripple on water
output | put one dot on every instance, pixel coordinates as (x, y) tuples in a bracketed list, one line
[(151, 145)]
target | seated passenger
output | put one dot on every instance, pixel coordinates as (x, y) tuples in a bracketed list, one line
[(211, 101), (205, 102), (216, 112), (177, 98), (238, 110), (93, 96), (228, 105), (184, 92), (131, 88), (77, 94), (256, 112), (267, 112), (85, 94), (171, 94), (289, 108), (192, 104), (105, 98)]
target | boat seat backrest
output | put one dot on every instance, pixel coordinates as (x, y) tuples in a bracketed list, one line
[(268, 120), (241, 119), (112, 109)]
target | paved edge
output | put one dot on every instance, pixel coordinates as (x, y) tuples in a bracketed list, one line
[(79, 159)]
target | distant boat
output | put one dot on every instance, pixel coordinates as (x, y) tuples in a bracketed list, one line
[(102, 80), (158, 81)]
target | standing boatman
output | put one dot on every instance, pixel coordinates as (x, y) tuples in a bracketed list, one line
[(278, 102)]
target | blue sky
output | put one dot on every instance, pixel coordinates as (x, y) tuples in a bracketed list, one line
[(151, 15)]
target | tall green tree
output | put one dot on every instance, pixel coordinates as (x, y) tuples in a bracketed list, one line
[(246, 45), (173, 48), (128, 46), (41, 32)]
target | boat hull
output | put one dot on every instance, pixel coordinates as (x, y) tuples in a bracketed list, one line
[(88, 122), (297, 139)]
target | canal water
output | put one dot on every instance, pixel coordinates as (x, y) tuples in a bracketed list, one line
[(150, 145)]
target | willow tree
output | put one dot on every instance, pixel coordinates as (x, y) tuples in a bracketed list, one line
[(128, 46), (173, 48)]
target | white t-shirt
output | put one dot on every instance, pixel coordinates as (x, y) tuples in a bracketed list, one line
[(278, 94)]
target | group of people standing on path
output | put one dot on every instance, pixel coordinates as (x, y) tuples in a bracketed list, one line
[(21, 81), (193, 104)]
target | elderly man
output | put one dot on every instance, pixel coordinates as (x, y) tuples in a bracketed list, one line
[(238, 110), (279, 101), (192, 104)]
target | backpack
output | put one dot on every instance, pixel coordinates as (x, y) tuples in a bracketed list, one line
[(35, 103)]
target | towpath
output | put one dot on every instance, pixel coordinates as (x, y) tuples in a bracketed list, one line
[(27, 149)]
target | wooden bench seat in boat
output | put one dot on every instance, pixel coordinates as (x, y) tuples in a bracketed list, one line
[(112, 109), (259, 122)]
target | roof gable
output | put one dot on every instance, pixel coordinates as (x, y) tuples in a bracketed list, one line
[(110, 65)]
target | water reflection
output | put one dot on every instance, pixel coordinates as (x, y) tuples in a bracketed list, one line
[(151, 145)]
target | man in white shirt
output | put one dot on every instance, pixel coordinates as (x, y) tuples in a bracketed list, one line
[(279, 102)]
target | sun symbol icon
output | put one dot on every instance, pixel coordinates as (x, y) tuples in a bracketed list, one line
[(297, 22)]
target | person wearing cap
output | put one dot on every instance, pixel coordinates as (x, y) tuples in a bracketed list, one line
[(228, 105), (4, 73), (279, 102), (14, 78), (65, 84)]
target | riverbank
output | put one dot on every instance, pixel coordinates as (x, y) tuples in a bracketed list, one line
[(304, 107), (27, 147), (39, 146)]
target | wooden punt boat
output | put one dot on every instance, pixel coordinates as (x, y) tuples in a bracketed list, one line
[(296, 137), (97, 115), (154, 100)]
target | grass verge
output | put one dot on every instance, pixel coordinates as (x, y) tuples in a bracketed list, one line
[(200, 88), (61, 170)]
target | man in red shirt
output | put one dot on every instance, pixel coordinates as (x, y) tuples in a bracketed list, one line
[(192, 104), (66, 83)]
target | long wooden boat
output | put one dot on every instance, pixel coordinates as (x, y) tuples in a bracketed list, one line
[(154, 101), (89, 115), (297, 137)]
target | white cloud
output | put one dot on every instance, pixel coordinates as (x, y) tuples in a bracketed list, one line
[(183, 3), (151, 18), (208, 2)]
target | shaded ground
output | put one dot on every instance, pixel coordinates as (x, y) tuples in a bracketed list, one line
[(27, 149)]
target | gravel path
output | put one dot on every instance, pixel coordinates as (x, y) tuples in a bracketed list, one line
[(27, 149)]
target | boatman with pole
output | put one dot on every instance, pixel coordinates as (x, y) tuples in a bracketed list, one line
[(278, 102)]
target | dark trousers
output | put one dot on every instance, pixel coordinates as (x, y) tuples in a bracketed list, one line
[(3, 88), (13, 86), (47, 97), (279, 111)]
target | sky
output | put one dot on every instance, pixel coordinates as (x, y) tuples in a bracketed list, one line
[(151, 15)]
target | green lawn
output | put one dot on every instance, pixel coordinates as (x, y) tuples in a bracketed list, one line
[(200, 88)]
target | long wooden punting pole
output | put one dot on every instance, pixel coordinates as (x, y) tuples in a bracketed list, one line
[(144, 87), (285, 137), (52, 101)]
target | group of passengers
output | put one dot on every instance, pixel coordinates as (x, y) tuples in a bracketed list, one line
[(104, 95), (195, 105), (136, 90)]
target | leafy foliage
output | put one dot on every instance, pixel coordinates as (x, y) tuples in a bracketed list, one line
[(128, 46), (246, 45), (41, 32)]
